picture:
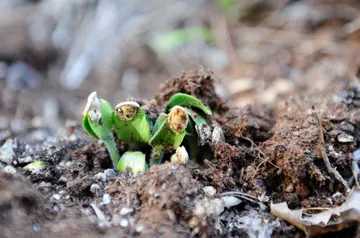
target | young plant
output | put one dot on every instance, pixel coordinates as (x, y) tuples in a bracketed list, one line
[(169, 132), (131, 124), (98, 122), (195, 109), (134, 160)]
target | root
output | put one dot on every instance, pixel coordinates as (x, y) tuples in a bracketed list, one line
[(258, 154)]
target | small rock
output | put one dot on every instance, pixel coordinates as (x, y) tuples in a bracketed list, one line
[(231, 201), (296, 133), (95, 189), (139, 228), (100, 177), (126, 210), (63, 179), (356, 155), (345, 138), (209, 207), (9, 169), (25, 160), (209, 191), (56, 196), (36, 228), (106, 199), (124, 222), (110, 173), (334, 132), (7, 152)]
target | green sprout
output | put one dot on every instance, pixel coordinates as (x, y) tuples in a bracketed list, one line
[(35, 166), (134, 160), (184, 122), (131, 124), (169, 132), (195, 109), (98, 122)]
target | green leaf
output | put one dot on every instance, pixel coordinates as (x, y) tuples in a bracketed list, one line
[(178, 37), (196, 117), (103, 128), (135, 130), (191, 140), (35, 166), (186, 100), (159, 121), (87, 126), (134, 160)]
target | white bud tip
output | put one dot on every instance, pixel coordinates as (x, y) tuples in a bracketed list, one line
[(93, 107), (90, 101), (128, 103), (181, 156)]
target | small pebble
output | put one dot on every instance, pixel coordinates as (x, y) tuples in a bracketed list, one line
[(356, 155), (9, 169), (231, 201), (36, 228), (126, 210), (106, 199), (209, 191), (95, 188), (345, 138), (124, 222), (110, 173), (139, 228), (100, 177), (56, 196), (7, 152)]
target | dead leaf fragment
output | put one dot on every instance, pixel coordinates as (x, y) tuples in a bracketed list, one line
[(333, 220)]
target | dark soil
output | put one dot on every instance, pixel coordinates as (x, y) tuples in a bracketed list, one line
[(271, 152)]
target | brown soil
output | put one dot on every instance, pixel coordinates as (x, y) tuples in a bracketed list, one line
[(272, 151)]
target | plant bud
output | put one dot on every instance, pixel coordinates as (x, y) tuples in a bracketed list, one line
[(181, 156), (93, 107), (178, 119), (126, 110)]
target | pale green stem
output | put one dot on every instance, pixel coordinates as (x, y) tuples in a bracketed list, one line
[(113, 152)]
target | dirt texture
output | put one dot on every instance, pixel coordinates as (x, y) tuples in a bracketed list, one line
[(270, 154)]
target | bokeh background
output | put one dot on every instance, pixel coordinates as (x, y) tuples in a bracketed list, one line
[(53, 53)]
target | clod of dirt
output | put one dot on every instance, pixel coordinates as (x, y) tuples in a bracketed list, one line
[(166, 200), (296, 149), (20, 207)]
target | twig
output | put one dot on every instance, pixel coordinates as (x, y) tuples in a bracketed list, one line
[(328, 166)]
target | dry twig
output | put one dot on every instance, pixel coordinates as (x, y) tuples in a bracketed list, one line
[(329, 168)]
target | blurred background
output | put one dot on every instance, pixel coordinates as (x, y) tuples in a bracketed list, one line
[(53, 53)]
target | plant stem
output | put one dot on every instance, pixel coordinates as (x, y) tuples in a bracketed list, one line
[(113, 152)]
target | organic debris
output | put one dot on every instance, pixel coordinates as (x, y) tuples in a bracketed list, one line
[(331, 220)]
